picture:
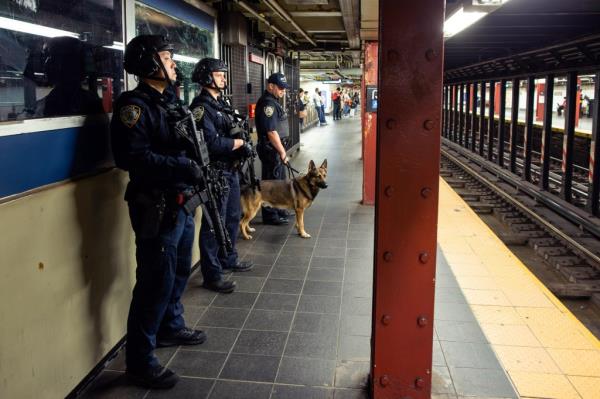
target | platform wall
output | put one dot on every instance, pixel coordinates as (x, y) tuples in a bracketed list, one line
[(66, 273)]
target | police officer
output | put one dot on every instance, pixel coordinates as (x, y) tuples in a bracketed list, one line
[(213, 115), (273, 131), (159, 169)]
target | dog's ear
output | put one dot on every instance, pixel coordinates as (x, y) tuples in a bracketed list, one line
[(324, 164), (311, 165)]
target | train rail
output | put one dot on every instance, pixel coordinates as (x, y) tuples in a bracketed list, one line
[(560, 233)]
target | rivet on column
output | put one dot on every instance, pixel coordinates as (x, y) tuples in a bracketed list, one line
[(387, 256), (422, 321), (430, 54), (384, 381), (425, 192), (419, 382), (386, 319), (389, 190), (391, 124), (428, 124)]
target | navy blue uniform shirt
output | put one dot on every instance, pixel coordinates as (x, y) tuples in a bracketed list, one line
[(270, 116), (215, 125), (143, 144)]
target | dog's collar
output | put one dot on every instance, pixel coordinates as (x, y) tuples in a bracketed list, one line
[(299, 187)]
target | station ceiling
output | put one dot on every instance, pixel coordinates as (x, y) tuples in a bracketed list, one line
[(522, 25)]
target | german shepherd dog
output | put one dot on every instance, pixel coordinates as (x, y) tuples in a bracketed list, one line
[(297, 194)]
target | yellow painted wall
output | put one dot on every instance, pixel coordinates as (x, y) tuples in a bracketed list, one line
[(67, 268)]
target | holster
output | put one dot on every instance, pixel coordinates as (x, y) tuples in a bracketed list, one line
[(150, 211)]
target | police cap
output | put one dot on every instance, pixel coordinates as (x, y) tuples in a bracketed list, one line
[(203, 70), (141, 54), (278, 79)]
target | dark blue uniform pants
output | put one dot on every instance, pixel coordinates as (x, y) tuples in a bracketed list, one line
[(212, 259), (272, 169), (163, 267)]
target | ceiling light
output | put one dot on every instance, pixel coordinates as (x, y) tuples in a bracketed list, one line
[(185, 58), (461, 20), (34, 29)]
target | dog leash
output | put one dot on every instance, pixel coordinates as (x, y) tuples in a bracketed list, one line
[(291, 171)]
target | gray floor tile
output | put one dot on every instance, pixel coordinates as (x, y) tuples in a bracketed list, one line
[(276, 302), (311, 345), (319, 304), (356, 306), (272, 320), (481, 382), (240, 390), (325, 262), (297, 251), (459, 331), (359, 275), (320, 274), (240, 300), (197, 364), (350, 394), (316, 323), (330, 252), (254, 342), (304, 371), (468, 354), (441, 382), (438, 354), (329, 288), (294, 273), (297, 241), (453, 311), (449, 294), (282, 286), (292, 261), (339, 234), (359, 254), (195, 294), (262, 259), (300, 392), (192, 314), (356, 325), (354, 348), (357, 289), (257, 271), (331, 242), (364, 244), (248, 283), (223, 317), (186, 388), (217, 339), (250, 368), (350, 374)]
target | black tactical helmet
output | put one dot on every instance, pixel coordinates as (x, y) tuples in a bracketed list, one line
[(140, 54), (204, 68)]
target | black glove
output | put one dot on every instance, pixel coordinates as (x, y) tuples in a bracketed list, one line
[(193, 171), (245, 151)]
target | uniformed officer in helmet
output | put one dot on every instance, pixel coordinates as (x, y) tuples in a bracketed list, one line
[(213, 115), (273, 131), (160, 168)]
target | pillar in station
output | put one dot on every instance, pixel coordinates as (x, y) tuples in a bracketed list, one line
[(540, 98), (497, 99), (369, 121), (406, 205)]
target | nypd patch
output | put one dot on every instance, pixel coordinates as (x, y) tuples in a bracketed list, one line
[(198, 113), (130, 114), (269, 111)]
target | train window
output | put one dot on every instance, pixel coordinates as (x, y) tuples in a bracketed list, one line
[(59, 58), (191, 42)]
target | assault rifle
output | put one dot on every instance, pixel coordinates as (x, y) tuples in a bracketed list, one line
[(212, 184), (241, 130)]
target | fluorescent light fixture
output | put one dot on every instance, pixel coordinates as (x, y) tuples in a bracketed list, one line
[(116, 46), (461, 20), (34, 29), (185, 58)]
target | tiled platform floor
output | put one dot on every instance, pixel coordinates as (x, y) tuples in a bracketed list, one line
[(299, 324)]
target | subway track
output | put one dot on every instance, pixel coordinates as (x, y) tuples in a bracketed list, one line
[(564, 253)]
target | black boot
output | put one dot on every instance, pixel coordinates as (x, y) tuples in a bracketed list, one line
[(222, 286), (185, 336), (156, 378)]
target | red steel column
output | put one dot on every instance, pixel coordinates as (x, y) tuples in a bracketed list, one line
[(369, 125), (408, 157)]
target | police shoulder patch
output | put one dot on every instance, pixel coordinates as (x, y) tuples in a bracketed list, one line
[(130, 114), (198, 113), (269, 111)]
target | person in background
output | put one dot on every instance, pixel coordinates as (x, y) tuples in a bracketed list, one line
[(318, 102), (323, 102), (301, 103), (336, 98)]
